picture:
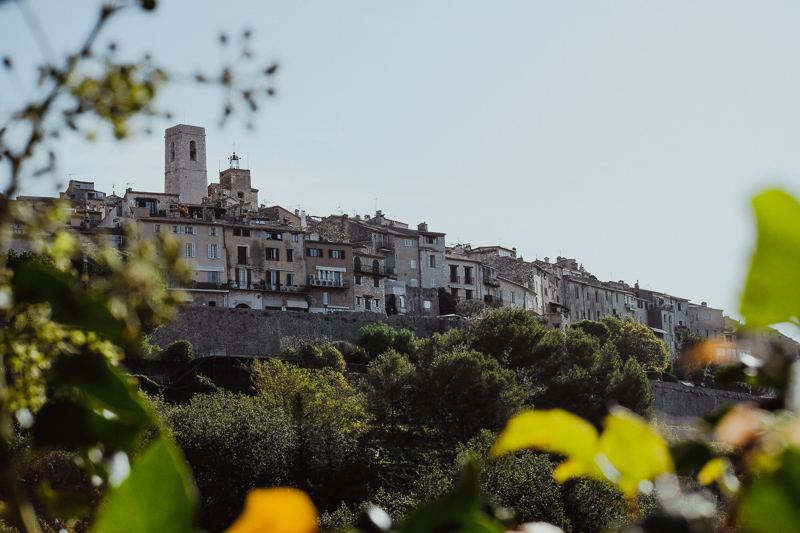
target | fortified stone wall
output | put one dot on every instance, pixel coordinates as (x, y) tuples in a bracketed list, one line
[(677, 404), (254, 333)]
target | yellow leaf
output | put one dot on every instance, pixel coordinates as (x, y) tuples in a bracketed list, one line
[(633, 449), (555, 431), (712, 471), (279, 510)]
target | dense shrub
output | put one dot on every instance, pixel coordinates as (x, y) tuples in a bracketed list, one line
[(179, 353)]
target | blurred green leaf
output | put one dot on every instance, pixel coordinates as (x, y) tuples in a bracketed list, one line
[(772, 503), (690, 456), (459, 510), (772, 291), (158, 495), (64, 423), (70, 306), (92, 374), (728, 375), (63, 504)]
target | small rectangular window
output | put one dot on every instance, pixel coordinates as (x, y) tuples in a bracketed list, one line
[(336, 254), (174, 229), (274, 236), (314, 252), (432, 262), (408, 242), (325, 298), (376, 282), (213, 251), (212, 232), (188, 250), (357, 279), (237, 232), (413, 264), (295, 237), (156, 228), (241, 255), (273, 254), (290, 255)]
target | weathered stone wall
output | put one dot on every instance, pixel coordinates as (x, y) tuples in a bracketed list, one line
[(253, 333), (678, 404)]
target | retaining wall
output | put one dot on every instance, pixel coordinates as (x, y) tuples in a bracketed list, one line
[(258, 333), (678, 404)]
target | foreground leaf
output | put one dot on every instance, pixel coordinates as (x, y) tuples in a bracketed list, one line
[(772, 291), (627, 453), (158, 495), (772, 503), (635, 451), (462, 509)]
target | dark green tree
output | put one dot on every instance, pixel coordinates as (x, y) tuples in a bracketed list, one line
[(447, 302), (406, 343), (636, 340), (233, 443), (460, 393), (376, 338), (513, 337), (179, 353), (389, 386)]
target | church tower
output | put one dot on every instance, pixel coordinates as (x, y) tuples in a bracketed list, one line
[(185, 163)]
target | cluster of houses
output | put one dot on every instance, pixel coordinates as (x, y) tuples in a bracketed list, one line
[(250, 255)]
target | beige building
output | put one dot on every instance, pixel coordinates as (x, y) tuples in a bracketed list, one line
[(330, 271), (369, 275)]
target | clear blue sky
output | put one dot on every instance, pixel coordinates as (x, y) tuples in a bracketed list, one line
[(628, 135)]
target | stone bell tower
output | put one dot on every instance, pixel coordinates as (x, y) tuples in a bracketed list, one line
[(185, 163)]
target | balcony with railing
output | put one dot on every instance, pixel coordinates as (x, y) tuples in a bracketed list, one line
[(329, 283), (371, 269), (384, 246), (206, 286), (493, 300), (490, 281)]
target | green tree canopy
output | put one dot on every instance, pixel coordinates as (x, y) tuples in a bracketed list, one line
[(636, 340), (376, 338), (460, 393), (389, 387)]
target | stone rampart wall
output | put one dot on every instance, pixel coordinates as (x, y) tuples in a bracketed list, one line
[(678, 404), (257, 333), (254, 333)]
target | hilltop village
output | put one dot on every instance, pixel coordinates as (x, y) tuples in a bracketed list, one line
[(250, 255)]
